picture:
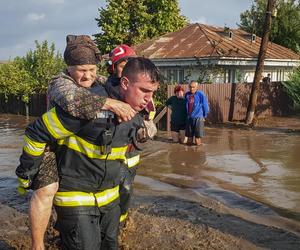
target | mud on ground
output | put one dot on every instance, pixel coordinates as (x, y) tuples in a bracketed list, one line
[(159, 221)]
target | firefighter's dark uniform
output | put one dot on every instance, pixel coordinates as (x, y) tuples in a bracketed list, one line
[(89, 156), (128, 170)]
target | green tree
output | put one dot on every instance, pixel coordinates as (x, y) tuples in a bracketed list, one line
[(15, 80), (134, 21), (42, 64), (165, 17), (292, 87), (29, 75), (285, 25)]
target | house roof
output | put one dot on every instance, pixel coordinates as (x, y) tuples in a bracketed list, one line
[(203, 41)]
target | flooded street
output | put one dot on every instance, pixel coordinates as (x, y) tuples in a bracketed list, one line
[(233, 165), (254, 171)]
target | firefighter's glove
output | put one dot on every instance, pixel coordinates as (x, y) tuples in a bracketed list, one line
[(141, 135), (148, 131), (23, 186), (151, 129)]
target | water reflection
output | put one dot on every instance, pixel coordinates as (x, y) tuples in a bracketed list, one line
[(263, 166), (187, 162)]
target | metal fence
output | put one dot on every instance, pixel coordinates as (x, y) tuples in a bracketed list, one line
[(229, 101), (14, 105)]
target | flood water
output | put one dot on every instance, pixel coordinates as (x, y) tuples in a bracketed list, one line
[(257, 171)]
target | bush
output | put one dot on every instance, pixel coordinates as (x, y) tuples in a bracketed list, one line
[(161, 95), (29, 75), (15, 80), (292, 87)]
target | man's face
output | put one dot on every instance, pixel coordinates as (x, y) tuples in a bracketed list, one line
[(119, 68), (193, 87), (84, 75), (139, 92)]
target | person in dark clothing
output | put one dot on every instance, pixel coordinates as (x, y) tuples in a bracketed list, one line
[(179, 115), (267, 79), (197, 110), (118, 58)]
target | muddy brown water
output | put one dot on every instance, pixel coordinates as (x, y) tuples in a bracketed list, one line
[(253, 171)]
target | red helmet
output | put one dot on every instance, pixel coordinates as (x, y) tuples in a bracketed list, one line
[(118, 54)]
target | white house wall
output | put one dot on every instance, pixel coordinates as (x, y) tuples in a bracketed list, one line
[(228, 74)]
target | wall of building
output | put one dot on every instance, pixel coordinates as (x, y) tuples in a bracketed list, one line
[(223, 75)]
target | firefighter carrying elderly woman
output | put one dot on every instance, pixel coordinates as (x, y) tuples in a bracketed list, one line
[(93, 132)]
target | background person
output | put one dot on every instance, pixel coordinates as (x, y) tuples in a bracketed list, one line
[(267, 79), (197, 110), (179, 114)]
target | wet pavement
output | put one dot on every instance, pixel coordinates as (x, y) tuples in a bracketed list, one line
[(254, 171)]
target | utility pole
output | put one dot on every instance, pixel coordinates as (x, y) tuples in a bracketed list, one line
[(260, 61)]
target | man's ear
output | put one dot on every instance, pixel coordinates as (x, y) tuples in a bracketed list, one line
[(124, 82)]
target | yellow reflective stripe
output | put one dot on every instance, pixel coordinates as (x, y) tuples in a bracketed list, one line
[(32, 147), (91, 150), (54, 126), (133, 161), (107, 196), (73, 199), (23, 182), (123, 217), (151, 115)]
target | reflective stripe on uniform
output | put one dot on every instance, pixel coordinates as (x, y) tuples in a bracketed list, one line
[(74, 199), (91, 150), (54, 126), (33, 147), (151, 115), (123, 217), (133, 161), (24, 183)]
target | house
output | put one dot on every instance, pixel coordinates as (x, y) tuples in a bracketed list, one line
[(214, 54)]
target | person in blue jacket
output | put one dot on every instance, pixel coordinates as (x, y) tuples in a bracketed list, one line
[(197, 110)]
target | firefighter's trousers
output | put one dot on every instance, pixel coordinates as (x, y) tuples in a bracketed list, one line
[(84, 231)]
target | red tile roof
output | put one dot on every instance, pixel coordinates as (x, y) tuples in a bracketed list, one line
[(202, 41)]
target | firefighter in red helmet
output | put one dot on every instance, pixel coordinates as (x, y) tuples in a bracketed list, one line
[(118, 58)]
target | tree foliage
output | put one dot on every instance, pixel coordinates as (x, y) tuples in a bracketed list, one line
[(292, 87), (134, 21), (15, 80), (42, 64), (29, 75), (285, 26)]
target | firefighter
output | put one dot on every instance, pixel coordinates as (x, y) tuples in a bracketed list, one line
[(118, 58), (65, 93), (34, 146), (72, 95)]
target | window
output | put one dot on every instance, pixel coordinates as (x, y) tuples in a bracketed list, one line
[(175, 75)]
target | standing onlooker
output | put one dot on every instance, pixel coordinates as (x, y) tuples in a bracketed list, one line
[(197, 110), (267, 79), (179, 115)]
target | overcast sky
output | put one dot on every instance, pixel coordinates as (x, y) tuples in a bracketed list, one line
[(24, 21)]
